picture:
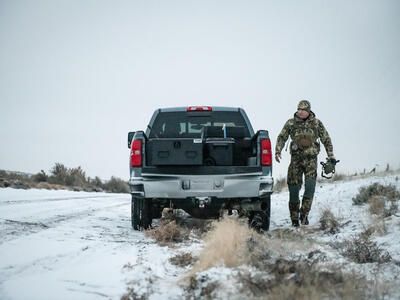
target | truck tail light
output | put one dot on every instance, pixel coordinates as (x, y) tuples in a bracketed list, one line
[(136, 153), (266, 153), (199, 108)]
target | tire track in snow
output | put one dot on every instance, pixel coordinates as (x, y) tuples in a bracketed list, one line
[(105, 232), (25, 201), (13, 229)]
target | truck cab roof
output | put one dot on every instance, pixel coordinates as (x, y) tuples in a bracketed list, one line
[(213, 108)]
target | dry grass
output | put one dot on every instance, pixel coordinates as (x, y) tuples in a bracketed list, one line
[(287, 236), (376, 205), (275, 272), (378, 226), (225, 244), (196, 226), (131, 294), (391, 209), (302, 280), (49, 186), (383, 206), (200, 288), (182, 260), (168, 232), (232, 243), (329, 222)]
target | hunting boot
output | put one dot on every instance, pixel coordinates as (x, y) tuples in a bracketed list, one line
[(309, 189), (294, 204), (304, 211)]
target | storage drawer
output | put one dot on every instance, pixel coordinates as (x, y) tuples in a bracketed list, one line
[(170, 151), (219, 151)]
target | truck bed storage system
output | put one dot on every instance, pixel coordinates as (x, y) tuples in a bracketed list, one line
[(212, 149), (170, 151), (219, 152)]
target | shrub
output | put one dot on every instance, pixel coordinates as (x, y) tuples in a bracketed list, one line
[(361, 249), (61, 177), (116, 185), (391, 209), (131, 294), (182, 260), (225, 243), (76, 177), (376, 189), (97, 182), (168, 232), (303, 280), (59, 174), (68, 176), (383, 206), (378, 226), (15, 178), (200, 287), (40, 177), (18, 184), (328, 222), (376, 205)]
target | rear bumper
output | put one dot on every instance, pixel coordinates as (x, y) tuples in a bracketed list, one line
[(189, 186)]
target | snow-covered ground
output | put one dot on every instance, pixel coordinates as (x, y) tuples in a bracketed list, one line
[(76, 245)]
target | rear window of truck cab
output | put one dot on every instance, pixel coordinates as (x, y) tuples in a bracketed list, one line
[(192, 124)]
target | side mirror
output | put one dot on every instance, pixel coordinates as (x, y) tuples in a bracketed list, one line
[(130, 138)]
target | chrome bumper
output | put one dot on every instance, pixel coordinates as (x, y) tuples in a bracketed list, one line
[(184, 186)]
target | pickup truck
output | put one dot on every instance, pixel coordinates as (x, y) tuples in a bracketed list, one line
[(204, 160)]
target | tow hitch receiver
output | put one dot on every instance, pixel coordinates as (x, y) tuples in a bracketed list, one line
[(203, 201)]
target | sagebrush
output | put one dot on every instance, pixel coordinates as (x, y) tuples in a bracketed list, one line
[(60, 177), (361, 249), (376, 190), (168, 232), (329, 222)]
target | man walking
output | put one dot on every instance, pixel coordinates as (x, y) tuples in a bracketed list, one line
[(305, 131)]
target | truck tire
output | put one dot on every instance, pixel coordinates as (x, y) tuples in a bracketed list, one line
[(135, 213), (260, 220), (140, 213)]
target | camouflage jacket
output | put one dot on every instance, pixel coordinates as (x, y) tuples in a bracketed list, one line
[(305, 136)]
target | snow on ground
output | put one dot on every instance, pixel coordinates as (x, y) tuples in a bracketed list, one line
[(77, 245), (72, 245), (337, 196)]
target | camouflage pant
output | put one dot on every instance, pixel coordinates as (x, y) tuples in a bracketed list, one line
[(298, 167)]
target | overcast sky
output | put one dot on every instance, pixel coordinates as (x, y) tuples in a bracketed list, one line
[(76, 76)]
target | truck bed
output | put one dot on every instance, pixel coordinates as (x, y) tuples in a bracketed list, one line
[(200, 152)]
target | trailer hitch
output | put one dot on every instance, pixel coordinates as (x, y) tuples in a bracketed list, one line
[(203, 201)]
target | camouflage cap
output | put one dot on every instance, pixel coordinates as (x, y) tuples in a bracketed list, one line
[(304, 105)]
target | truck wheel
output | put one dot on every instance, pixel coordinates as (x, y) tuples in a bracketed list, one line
[(260, 220), (266, 206), (135, 215), (140, 213)]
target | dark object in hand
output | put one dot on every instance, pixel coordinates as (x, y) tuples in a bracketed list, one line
[(329, 167)]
